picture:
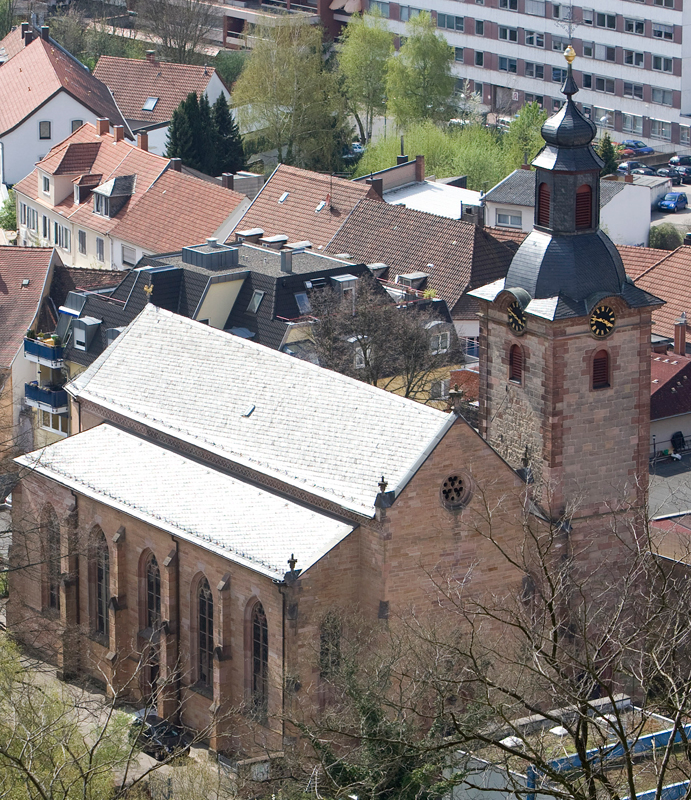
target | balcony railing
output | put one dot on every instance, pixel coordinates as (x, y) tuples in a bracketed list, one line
[(42, 353), (51, 399)]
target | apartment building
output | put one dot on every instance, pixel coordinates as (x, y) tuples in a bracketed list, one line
[(630, 65)]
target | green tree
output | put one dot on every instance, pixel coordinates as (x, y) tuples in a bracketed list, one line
[(366, 46), (8, 213), (523, 141), (182, 141), (6, 17), (229, 65), (287, 94), (228, 150), (205, 138), (608, 155), (181, 25), (665, 237), (419, 81)]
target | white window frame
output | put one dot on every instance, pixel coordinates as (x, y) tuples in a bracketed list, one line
[(255, 301), (661, 31), (634, 25), (663, 62), (632, 123), (439, 343), (604, 20), (46, 184), (479, 27), (508, 34), (534, 39), (76, 124), (100, 250), (634, 58), (129, 255), (684, 134), (533, 70), (665, 93), (513, 219), (81, 343), (661, 129), (479, 58), (439, 390), (636, 92), (101, 205), (81, 242), (536, 8), (63, 237), (507, 64), (60, 419), (41, 125)]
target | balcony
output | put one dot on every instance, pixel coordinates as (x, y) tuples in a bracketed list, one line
[(41, 353), (49, 398)]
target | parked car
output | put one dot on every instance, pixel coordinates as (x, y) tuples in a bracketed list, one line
[(158, 737), (685, 172), (642, 171), (357, 148), (673, 201), (639, 148), (680, 161), (626, 166), (673, 174)]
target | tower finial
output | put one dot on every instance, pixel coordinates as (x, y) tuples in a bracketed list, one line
[(569, 54), (570, 87)]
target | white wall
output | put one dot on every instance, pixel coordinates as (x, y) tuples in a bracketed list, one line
[(527, 215), (22, 148), (664, 428), (626, 218)]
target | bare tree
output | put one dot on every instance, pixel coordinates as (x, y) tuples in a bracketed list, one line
[(182, 26)]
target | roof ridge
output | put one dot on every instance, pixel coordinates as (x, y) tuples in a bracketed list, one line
[(657, 263)]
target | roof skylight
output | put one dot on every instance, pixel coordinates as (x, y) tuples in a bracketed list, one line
[(150, 104)]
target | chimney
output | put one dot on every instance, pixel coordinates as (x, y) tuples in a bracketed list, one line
[(227, 180), (102, 126), (286, 260), (401, 160), (176, 164), (45, 33), (28, 37), (143, 141), (628, 178), (378, 185), (419, 169), (212, 241), (151, 55), (525, 166), (680, 335), (25, 28), (119, 132)]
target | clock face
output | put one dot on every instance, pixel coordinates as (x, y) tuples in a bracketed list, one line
[(602, 321), (516, 317)]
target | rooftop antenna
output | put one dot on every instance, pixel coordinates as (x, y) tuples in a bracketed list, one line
[(402, 149)]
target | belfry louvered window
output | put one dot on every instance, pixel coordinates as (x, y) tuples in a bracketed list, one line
[(601, 370), (516, 364), (584, 206), (543, 201)]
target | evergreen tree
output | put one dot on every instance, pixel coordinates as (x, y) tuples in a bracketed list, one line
[(228, 149), (182, 132), (608, 155), (205, 139)]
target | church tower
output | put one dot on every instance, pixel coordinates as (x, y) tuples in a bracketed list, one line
[(565, 340)]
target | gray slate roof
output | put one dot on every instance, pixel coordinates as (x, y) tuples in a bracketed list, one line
[(193, 501), (308, 427), (518, 189)]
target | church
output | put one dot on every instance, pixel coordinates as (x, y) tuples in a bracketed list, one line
[(220, 499)]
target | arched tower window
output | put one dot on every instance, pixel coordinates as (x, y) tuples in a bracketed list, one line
[(329, 647), (543, 203), (516, 364), (601, 370), (260, 662), (153, 593), (51, 541), (206, 633), (584, 206), (101, 567)]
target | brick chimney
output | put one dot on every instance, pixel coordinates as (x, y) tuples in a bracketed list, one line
[(28, 37), (143, 141), (24, 28), (680, 335), (151, 55), (119, 132), (628, 178), (227, 180), (102, 126), (419, 168), (401, 160), (176, 164), (45, 33), (378, 185)]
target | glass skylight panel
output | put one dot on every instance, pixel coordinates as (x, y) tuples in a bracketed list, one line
[(150, 104)]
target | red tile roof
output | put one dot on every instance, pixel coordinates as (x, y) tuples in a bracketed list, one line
[(178, 210), (297, 216), (19, 305), (638, 260), (37, 72), (669, 280), (468, 380), (457, 255), (670, 392), (133, 81), (78, 158)]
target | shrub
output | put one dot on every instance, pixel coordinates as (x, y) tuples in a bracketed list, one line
[(666, 237)]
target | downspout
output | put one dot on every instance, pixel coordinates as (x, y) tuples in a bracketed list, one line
[(281, 589)]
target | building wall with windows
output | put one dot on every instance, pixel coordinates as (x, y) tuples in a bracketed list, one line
[(30, 141), (630, 64)]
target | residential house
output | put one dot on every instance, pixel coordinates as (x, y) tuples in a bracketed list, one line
[(25, 281), (104, 202), (668, 278), (428, 253), (624, 207), (45, 95), (147, 91), (300, 206)]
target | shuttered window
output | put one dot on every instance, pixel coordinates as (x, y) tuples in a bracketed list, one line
[(584, 207), (515, 364), (601, 370), (543, 205)]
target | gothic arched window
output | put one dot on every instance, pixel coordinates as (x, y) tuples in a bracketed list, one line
[(50, 530), (516, 364), (584, 206), (101, 567), (206, 633), (543, 203), (260, 662), (153, 593), (601, 370)]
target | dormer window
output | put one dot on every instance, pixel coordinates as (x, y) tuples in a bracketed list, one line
[(150, 104), (46, 184), (101, 205), (255, 302)]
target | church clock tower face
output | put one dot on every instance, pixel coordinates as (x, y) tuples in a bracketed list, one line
[(516, 317), (602, 321)]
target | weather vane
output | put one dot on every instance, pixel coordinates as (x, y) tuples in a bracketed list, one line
[(148, 291)]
